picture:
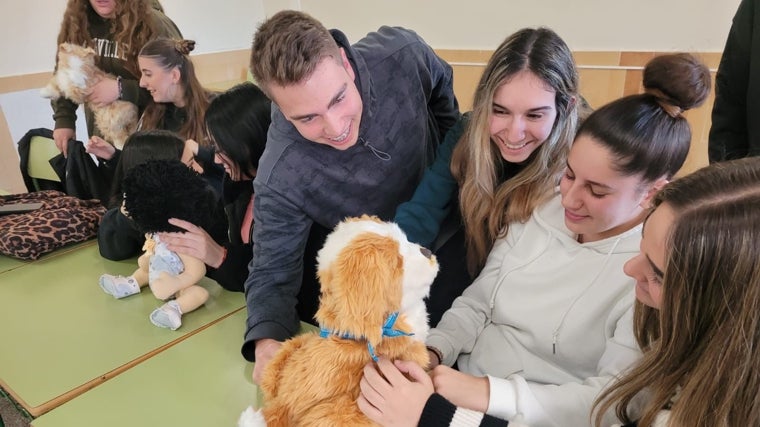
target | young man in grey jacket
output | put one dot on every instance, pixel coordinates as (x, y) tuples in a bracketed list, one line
[(353, 127)]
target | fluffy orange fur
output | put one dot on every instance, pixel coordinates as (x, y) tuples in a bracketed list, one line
[(75, 76), (314, 381)]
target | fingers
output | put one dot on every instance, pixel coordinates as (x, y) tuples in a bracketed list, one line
[(390, 372), (368, 387), (265, 350), (367, 409), (191, 145), (412, 369), (61, 137), (187, 226), (257, 372), (374, 378)]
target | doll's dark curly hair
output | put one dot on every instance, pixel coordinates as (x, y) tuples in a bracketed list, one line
[(161, 189)]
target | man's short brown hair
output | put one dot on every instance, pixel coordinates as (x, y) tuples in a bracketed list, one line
[(288, 47)]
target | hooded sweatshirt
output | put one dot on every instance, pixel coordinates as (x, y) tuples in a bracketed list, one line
[(111, 60), (408, 105), (549, 320)]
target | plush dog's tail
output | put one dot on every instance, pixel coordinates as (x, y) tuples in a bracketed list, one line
[(251, 418)]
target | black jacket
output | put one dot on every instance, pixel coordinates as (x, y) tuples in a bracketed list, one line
[(735, 131), (79, 175)]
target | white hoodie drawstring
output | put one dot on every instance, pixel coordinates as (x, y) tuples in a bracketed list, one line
[(555, 334)]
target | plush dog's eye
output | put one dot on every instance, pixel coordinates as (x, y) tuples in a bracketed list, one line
[(426, 252)]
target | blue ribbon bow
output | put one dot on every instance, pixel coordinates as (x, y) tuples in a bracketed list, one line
[(388, 331)]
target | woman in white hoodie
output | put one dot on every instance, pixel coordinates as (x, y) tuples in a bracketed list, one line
[(548, 322)]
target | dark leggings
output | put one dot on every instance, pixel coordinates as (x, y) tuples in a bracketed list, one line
[(452, 278)]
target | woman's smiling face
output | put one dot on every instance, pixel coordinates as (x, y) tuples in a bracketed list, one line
[(522, 116)]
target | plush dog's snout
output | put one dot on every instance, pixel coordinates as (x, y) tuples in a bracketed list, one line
[(426, 252)]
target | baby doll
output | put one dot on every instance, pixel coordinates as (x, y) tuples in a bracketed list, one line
[(154, 192)]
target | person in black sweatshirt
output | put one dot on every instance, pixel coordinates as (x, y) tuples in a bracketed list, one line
[(237, 122)]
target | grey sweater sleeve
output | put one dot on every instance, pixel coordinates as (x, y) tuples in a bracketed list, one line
[(275, 272), (443, 103)]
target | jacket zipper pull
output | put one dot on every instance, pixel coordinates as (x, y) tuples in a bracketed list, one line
[(382, 155)]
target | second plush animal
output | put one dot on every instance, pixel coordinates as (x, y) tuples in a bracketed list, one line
[(75, 76)]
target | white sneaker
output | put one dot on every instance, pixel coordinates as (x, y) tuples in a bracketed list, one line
[(119, 286), (168, 315)]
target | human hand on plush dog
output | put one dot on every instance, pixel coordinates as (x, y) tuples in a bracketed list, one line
[(265, 350), (394, 393), (78, 78), (104, 92)]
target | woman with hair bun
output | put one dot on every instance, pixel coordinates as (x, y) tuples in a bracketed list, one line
[(548, 323), (179, 100), (179, 104)]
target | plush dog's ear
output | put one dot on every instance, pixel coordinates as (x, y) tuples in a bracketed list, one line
[(363, 286)]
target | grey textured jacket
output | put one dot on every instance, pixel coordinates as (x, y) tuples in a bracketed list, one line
[(408, 105)]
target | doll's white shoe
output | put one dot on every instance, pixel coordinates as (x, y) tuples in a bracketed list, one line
[(119, 286), (168, 315)]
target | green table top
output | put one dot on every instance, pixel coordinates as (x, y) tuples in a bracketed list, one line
[(202, 381), (62, 335), (7, 263)]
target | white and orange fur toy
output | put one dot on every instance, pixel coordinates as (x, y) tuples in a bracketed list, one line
[(75, 76), (373, 283)]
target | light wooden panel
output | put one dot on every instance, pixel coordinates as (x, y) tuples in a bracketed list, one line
[(10, 172)]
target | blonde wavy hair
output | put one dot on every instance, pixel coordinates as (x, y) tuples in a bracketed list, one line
[(489, 204)]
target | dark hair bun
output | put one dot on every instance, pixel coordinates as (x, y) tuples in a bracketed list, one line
[(681, 78), (185, 46)]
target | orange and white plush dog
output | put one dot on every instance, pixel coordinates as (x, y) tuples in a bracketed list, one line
[(373, 284), (75, 76)]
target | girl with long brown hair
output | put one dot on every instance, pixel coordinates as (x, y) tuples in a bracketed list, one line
[(697, 315), (178, 104)]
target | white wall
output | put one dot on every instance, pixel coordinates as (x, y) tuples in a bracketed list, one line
[(630, 25), (29, 28)]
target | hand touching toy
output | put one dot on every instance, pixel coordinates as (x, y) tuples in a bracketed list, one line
[(154, 192)]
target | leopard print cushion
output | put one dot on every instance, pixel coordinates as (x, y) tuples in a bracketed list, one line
[(61, 220)]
